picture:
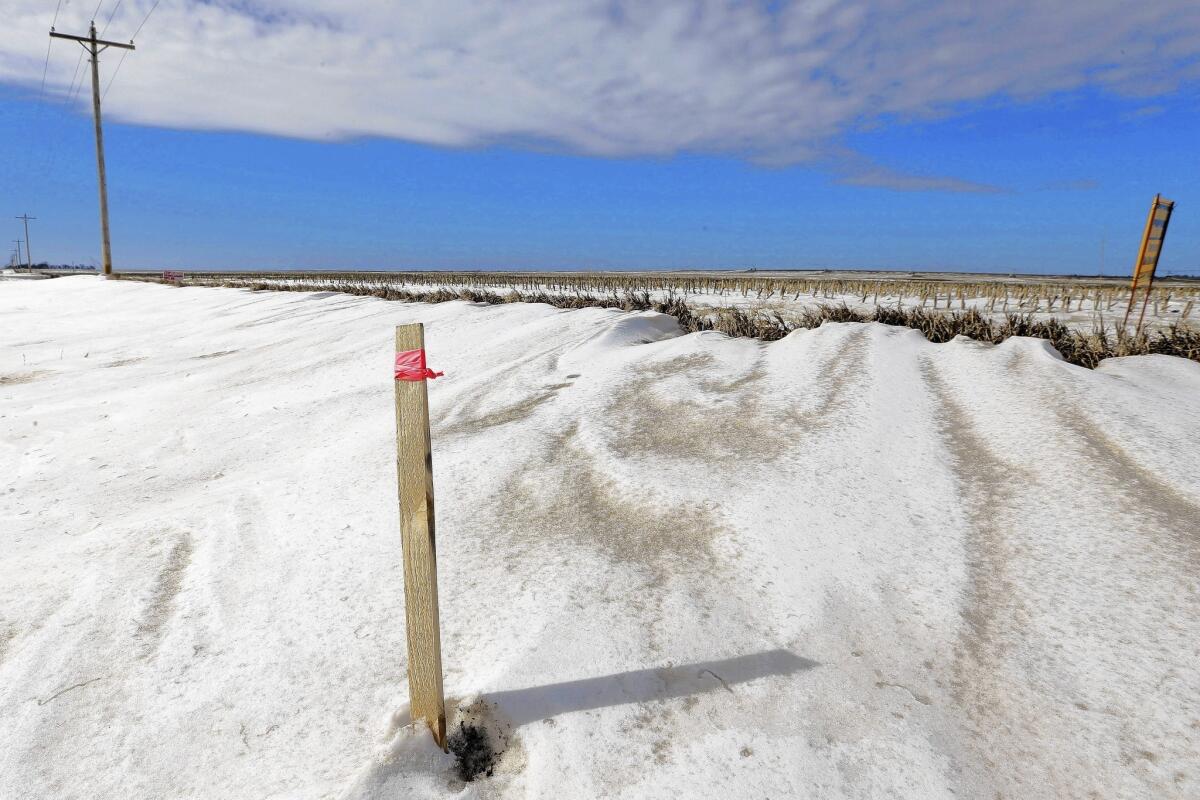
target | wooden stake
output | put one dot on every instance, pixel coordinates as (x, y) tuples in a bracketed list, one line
[(414, 466)]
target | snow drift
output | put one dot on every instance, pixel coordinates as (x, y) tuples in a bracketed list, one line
[(846, 564)]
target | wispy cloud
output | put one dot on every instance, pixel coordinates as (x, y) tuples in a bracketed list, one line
[(1072, 185), (855, 169), (769, 81), (1144, 112)]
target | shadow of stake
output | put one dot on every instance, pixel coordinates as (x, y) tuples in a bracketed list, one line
[(536, 703)]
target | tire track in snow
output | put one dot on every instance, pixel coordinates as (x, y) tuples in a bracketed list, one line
[(847, 369), (296, 312), (160, 602), (1141, 491), (8, 632), (993, 604), (1023, 693)]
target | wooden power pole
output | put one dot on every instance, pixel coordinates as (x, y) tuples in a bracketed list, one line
[(28, 253), (94, 46)]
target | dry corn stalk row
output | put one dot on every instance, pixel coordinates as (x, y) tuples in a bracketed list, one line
[(1085, 348), (1043, 297)]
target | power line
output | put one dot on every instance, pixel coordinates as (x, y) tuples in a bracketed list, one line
[(78, 63), (42, 104), (110, 17), (46, 67), (74, 76), (113, 77), (144, 21), (124, 53), (78, 89), (49, 44), (53, 152)]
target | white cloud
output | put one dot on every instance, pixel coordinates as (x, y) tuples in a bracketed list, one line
[(775, 82)]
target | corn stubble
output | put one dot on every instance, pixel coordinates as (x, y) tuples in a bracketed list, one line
[(634, 293)]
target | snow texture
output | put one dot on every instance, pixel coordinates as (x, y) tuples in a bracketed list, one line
[(850, 563)]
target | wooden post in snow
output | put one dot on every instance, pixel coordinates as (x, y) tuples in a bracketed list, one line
[(1148, 253), (414, 466)]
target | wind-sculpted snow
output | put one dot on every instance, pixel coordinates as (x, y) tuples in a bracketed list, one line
[(849, 563)]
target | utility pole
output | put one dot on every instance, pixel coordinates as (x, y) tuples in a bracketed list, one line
[(17, 242), (94, 46), (28, 254)]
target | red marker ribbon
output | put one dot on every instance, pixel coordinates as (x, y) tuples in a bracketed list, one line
[(410, 366)]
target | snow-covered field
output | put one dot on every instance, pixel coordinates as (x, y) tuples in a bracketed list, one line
[(1077, 303), (846, 564)]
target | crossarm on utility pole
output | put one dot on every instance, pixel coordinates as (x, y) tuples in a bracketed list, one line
[(89, 41)]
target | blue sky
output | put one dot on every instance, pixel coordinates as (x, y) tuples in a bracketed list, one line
[(984, 170)]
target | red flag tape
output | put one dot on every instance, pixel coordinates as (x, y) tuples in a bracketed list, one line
[(410, 366)]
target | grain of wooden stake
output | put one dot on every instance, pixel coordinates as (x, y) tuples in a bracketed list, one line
[(414, 465)]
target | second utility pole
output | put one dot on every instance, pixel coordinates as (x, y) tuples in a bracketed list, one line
[(94, 46), (28, 254)]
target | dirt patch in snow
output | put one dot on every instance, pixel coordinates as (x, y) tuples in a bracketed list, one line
[(483, 742), (740, 419), (125, 362), (570, 497), (659, 413), (513, 413), (472, 749), (22, 377)]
